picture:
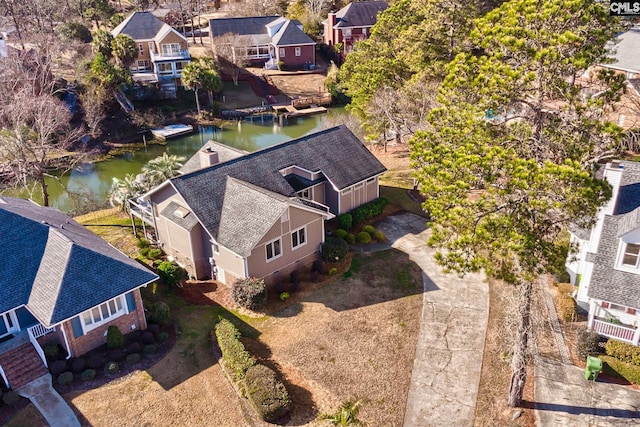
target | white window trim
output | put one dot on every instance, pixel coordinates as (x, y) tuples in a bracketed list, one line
[(626, 267), (298, 51), (96, 324), (274, 257), (282, 52), (296, 231), (215, 248)]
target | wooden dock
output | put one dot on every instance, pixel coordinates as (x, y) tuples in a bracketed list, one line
[(291, 111)]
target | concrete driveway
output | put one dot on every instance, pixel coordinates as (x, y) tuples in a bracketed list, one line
[(564, 398), (448, 361)]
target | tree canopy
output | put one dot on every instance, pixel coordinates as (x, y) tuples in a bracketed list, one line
[(202, 73)]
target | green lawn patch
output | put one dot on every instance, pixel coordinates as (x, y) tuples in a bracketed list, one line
[(397, 195)]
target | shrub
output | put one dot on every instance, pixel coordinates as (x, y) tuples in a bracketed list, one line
[(379, 236), (363, 237), (334, 249), (341, 234), (144, 252), (332, 271), (116, 355), (369, 229), (284, 296), (294, 277), (587, 343), (142, 243), (11, 398), (266, 393), (233, 352), (369, 210), (618, 368), (57, 367), (51, 351), (351, 238), (317, 266), (358, 215), (170, 273), (345, 220), (111, 368), (134, 347), (88, 374), (249, 293), (566, 304), (95, 361), (78, 365), (155, 253), (622, 351), (148, 338), (154, 329), (132, 359), (163, 337), (65, 378), (115, 339), (74, 31), (150, 349), (160, 313)]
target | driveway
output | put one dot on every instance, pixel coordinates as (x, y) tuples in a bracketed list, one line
[(448, 361)]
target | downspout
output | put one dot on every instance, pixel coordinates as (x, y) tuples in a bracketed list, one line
[(66, 342)]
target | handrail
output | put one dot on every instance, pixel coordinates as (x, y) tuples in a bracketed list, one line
[(36, 345), (4, 377), (612, 330)]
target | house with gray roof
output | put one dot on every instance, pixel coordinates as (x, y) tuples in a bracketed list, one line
[(233, 215), (351, 24), (264, 40), (162, 51), (606, 268), (62, 283)]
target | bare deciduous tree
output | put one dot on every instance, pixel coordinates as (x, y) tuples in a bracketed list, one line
[(231, 50)]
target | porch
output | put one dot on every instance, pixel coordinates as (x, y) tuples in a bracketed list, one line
[(22, 358), (620, 332)]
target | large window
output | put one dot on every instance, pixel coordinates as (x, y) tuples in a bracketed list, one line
[(274, 249), (298, 237), (171, 49), (165, 68), (109, 310), (282, 52), (631, 255)]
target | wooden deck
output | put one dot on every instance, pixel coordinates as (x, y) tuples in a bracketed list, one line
[(291, 111)]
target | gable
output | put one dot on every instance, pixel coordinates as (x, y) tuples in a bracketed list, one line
[(140, 26), (360, 14)]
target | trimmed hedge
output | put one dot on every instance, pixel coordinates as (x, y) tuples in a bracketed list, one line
[(334, 249), (111, 368), (351, 238), (345, 220), (379, 236), (341, 233), (249, 293), (369, 229), (115, 339), (266, 393), (622, 351), (369, 210), (233, 353), (65, 378), (618, 368), (88, 374), (363, 237)]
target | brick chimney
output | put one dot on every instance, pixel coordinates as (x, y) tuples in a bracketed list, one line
[(208, 157), (331, 22)]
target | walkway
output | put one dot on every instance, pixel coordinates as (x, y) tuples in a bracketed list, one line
[(448, 361), (50, 404)]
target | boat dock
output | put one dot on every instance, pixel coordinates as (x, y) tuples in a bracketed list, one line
[(291, 111)]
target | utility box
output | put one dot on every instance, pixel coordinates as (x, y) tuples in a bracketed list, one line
[(593, 368)]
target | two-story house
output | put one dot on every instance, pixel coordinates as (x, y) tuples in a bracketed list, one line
[(606, 268), (265, 40), (233, 215), (351, 24), (162, 51)]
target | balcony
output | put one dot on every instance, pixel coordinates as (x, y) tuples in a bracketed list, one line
[(168, 56), (615, 330)]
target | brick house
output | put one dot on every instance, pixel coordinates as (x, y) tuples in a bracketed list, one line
[(351, 24), (62, 283), (606, 268), (265, 40), (233, 215)]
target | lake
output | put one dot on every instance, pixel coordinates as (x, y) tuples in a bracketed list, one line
[(90, 183)]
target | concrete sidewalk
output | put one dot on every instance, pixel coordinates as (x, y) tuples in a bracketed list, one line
[(448, 361), (50, 404)]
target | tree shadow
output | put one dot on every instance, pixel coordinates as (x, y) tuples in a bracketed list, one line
[(579, 410)]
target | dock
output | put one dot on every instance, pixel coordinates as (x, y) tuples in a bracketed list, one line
[(291, 111)]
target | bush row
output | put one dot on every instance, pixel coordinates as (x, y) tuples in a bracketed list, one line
[(369, 210), (265, 392), (622, 351), (365, 236), (615, 367)]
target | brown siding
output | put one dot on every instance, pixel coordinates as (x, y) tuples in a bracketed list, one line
[(96, 337), (318, 193), (170, 38), (307, 55), (231, 263)]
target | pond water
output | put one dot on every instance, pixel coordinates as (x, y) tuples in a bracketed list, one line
[(91, 182)]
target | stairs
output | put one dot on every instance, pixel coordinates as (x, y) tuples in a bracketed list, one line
[(22, 365)]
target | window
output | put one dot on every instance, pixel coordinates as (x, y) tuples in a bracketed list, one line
[(102, 313), (282, 52), (165, 68), (631, 254), (298, 51), (179, 65), (304, 194), (216, 248), (171, 49), (346, 191), (617, 307), (141, 47), (299, 237), (273, 249)]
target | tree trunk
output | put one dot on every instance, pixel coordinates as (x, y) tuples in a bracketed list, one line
[(519, 358), (197, 100), (43, 188)]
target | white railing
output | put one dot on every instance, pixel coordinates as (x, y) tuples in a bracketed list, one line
[(613, 330), (181, 54), (40, 330), (4, 377)]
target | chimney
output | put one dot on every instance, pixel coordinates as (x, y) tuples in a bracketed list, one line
[(331, 22), (208, 157)]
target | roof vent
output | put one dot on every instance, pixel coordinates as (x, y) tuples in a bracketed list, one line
[(181, 212)]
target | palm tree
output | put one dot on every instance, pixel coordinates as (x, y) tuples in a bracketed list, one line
[(346, 415), (124, 49), (124, 189), (160, 169), (202, 73)]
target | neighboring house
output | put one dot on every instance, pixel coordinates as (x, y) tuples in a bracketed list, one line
[(235, 215), (265, 40), (352, 23), (59, 282), (162, 51), (607, 266)]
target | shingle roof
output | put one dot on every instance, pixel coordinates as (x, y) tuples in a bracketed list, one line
[(335, 152), (627, 51), (55, 266), (187, 222), (225, 153), (360, 13), (288, 32), (629, 191), (140, 26)]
